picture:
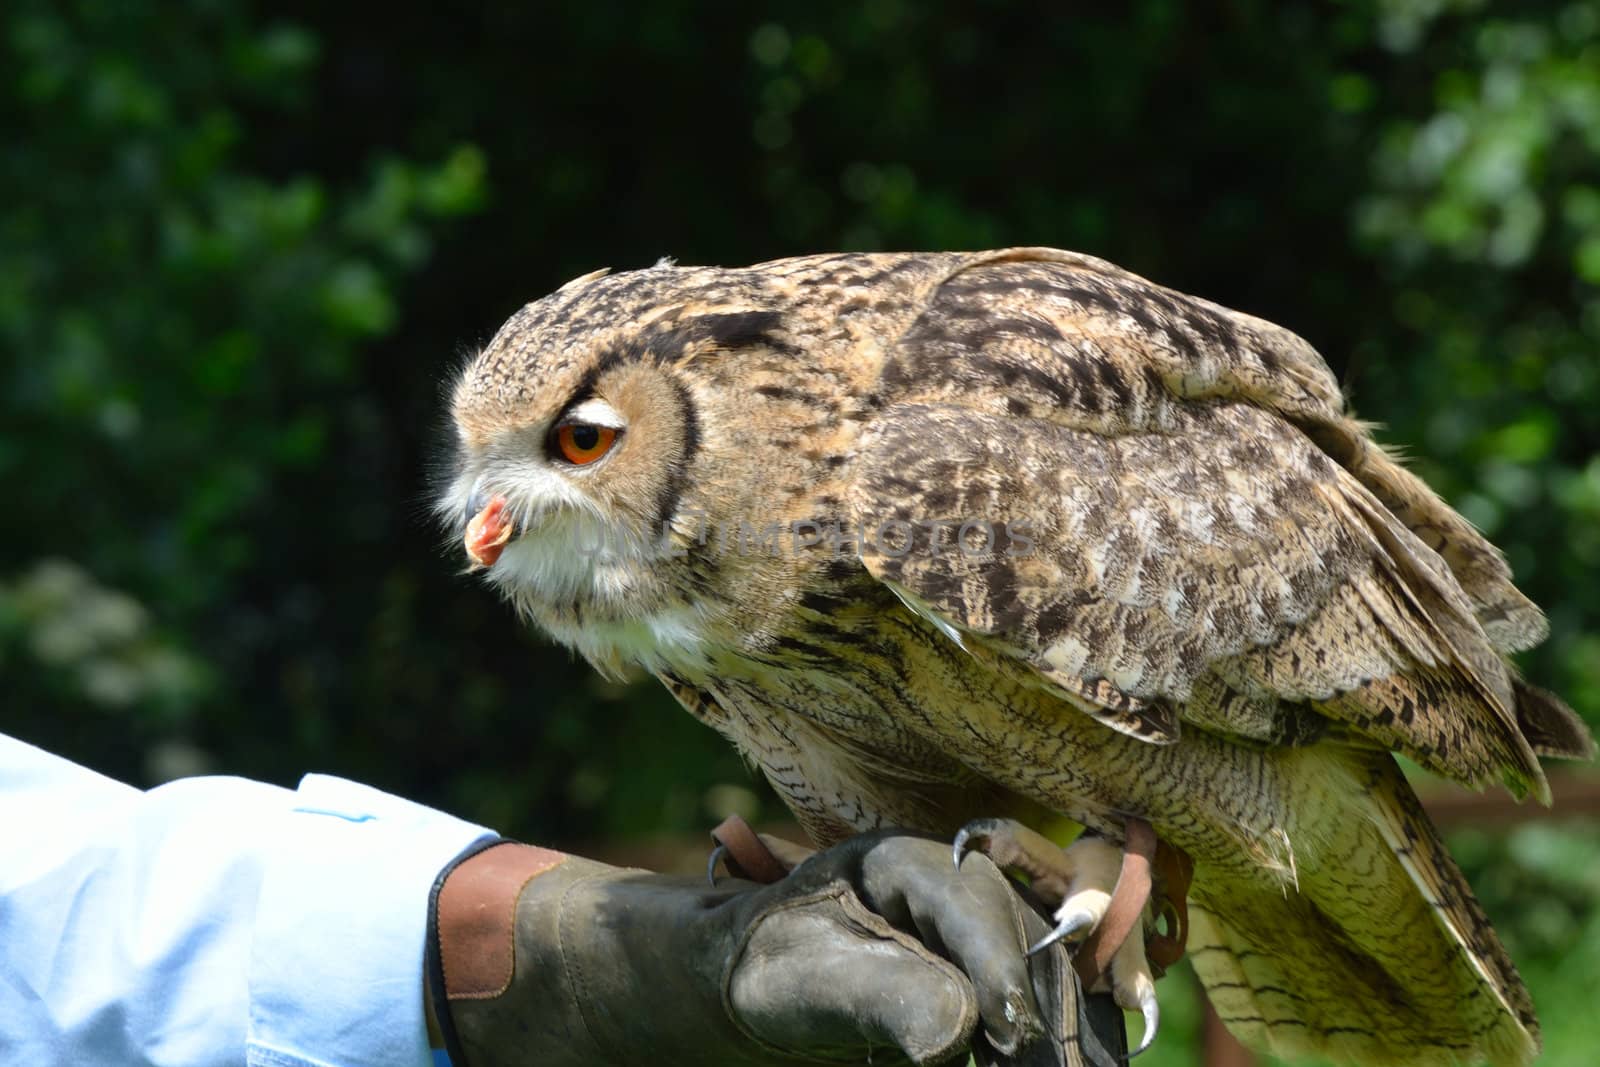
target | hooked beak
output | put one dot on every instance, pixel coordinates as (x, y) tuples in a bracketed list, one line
[(489, 530)]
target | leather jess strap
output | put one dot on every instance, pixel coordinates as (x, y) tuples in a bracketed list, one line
[(1174, 871), (1148, 864), (746, 855)]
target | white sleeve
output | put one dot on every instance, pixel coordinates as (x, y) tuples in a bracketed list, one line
[(212, 920)]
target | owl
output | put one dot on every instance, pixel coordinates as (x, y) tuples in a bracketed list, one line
[(970, 542)]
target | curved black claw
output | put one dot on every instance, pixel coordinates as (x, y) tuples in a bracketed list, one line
[(711, 864), (1077, 921), (1152, 1020), (979, 834)]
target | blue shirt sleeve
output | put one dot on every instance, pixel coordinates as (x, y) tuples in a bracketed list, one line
[(212, 920)]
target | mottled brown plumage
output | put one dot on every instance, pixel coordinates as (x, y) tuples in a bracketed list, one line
[(932, 537)]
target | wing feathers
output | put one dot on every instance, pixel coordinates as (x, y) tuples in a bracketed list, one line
[(1152, 568), (1454, 710), (1509, 619)]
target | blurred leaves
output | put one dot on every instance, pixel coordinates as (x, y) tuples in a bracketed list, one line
[(185, 329), (96, 643), (1504, 159)]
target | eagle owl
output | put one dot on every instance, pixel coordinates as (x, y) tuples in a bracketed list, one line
[(935, 538)]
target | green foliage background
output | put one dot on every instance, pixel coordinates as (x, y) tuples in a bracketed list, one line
[(243, 246)]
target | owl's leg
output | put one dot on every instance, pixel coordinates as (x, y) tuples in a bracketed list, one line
[(1078, 882)]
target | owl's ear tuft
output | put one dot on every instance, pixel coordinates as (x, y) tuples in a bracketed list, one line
[(741, 329), (691, 337)]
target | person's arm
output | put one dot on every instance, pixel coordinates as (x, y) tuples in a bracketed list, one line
[(212, 920), (223, 921)]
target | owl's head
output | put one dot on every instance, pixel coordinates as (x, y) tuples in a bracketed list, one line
[(595, 431)]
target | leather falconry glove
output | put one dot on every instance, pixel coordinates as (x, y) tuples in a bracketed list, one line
[(877, 948)]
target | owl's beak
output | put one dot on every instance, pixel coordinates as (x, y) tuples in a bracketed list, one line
[(488, 531)]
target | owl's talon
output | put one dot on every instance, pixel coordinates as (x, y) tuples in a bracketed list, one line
[(1079, 882), (1065, 927), (1150, 1009), (711, 864), (958, 848), (1016, 849)]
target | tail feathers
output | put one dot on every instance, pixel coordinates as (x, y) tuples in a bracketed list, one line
[(1407, 830), (1552, 728), (1379, 954)]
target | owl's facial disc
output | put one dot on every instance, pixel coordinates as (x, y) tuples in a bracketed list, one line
[(572, 500), (551, 507), (576, 444)]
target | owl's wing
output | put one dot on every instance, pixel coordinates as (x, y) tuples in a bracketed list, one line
[(1161, 538)]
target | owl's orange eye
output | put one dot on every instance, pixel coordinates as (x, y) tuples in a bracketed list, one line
[(580, 442)]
